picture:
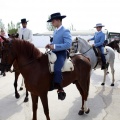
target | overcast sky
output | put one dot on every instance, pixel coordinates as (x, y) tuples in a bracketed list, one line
[(83, 14)]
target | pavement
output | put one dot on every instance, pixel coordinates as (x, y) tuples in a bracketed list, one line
[(103, 101)]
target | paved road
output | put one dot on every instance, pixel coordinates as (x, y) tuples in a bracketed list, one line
[(104, 102)]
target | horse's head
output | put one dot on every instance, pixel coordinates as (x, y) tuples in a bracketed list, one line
[(74, 47), (115, 45), (7, 54), (51, 38)]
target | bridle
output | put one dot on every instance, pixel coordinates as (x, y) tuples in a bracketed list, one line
[(4, 51), (77, 48)]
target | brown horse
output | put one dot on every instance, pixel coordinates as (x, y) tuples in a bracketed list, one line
[(16, 72), (34, 67)]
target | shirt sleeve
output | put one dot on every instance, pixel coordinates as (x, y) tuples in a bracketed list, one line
[(93, 38), (67, 42)]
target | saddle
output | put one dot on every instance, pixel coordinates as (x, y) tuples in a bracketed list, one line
[(68, 65), (98, 55)]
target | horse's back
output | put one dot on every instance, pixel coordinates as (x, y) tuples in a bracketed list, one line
[(110, 54)]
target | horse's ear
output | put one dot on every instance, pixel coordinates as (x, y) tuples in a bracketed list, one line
[(76, 38), (3, 38)]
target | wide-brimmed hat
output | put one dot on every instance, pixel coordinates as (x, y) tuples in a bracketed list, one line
[(99, 25), (55, 16), (24, 20)]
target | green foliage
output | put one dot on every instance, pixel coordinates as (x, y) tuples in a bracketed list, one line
[(12, 28), (50, 27), (71, 28)]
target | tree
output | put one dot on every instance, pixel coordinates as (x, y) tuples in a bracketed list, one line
[(12, 28), (50, 27), (71, 28), (2, 26)]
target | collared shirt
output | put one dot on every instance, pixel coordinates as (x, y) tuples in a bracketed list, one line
[(59, 28)]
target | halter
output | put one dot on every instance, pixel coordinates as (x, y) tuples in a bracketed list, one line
[(77, 48)]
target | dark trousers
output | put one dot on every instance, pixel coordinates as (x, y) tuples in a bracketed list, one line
[(61, 57), (101, 48)]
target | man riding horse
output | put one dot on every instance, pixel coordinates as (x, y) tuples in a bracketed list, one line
[(99, 39), (61, 42)]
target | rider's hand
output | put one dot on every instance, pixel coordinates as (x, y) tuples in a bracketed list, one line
[(51, 47), (88, 40)]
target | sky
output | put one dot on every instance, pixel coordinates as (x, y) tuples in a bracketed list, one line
[(83, 14)]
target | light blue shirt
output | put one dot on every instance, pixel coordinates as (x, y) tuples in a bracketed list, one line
[(98, 38), (62, 39)]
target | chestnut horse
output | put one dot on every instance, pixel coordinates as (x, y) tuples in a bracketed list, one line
[(33, 66), (17, 72)]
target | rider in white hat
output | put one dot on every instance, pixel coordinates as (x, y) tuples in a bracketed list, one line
[(99, 39)]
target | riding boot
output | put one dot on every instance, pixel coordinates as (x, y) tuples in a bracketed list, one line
[(61, 93)]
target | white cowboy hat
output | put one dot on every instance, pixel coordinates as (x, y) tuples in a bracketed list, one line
[(99, 25)]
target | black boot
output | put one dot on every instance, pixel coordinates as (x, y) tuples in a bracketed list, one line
[(61, 93)]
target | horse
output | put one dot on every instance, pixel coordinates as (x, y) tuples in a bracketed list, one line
[(16, 72), (34, 67), (81, 45)]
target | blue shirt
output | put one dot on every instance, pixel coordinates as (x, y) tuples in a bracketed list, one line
[(98, 38), (62, 39)]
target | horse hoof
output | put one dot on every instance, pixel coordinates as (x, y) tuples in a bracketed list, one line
[(87, 112), (21, 88), (26, 99), (81, 112), (17, 96), (112, 84), (103, 84)]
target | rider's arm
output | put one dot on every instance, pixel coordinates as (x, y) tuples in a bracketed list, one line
[(67, 42), (92, 38), (101, 42)]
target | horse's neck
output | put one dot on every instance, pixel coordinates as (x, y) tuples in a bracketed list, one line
[(88, 52), (111, 45)]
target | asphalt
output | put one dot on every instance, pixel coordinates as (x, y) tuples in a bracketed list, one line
[(103, 101)]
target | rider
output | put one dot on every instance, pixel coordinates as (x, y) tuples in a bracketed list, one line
[(25, 33), (61, 42), (99, 39)]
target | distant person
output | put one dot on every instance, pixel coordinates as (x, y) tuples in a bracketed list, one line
[(61, 42), (24, 32), (99, 39), (2, 33)]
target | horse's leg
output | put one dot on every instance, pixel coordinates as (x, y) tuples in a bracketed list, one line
[(26, 97), (21, 88), (84, 107), (112, 71), (103, 83), (34, 106), (15, 84), (44, 101)]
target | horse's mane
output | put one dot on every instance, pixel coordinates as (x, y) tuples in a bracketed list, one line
[(85, 42), (26, 48)]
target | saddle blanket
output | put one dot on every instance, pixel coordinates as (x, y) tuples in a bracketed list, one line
[(68, 65)]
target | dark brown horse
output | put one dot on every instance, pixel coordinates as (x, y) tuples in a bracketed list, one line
[(16, 72), (33, 66)]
